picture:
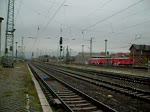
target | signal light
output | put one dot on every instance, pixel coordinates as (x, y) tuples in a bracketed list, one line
[(32, 53), (60, 48), (60, 42)]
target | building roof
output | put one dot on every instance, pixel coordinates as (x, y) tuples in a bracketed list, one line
[(140, 47)]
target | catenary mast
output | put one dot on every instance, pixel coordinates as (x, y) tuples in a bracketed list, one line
[(9, 40)]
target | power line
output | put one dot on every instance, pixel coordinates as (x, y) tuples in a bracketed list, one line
[(113, 15), (18, 10), (136, 25), (53, 15), (51, 6), (100, 7)]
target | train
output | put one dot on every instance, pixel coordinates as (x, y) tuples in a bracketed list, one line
[(111, 61)]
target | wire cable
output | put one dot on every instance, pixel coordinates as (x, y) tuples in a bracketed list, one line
[(18, 10), (113, 15), (53, 16), (51, 6), (99, 8)]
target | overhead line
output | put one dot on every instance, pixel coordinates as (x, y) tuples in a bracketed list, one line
[(136, 25), (51, 6), (18, 10), (113, 15), (53, 16), (100, 7)]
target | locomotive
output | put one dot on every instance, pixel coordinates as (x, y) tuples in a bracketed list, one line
[(111, 61)]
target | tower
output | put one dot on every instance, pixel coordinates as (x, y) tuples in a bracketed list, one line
[(9, 39)]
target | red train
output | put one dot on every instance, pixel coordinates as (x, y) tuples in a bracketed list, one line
[(113, 61)]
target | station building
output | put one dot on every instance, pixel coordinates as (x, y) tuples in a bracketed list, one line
[(140, 54)]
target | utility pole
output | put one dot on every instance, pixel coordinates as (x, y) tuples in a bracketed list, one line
[(0, 39), (16, 50), (82, 54), (63, 52), (9, 40), (91, 48), (106, 51), (22, 49), (67, 55), (61, 47), (37, 53), (70, 55)]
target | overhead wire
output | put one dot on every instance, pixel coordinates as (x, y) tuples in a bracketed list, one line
[(53, 15), (51, 6), (18, 10), (100, 7), (136, 25), (113, 15)]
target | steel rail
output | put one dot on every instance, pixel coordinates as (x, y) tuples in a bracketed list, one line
[(95, 102), (49, 88), (120, 88), (125, 77)]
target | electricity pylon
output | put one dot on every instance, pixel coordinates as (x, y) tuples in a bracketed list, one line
[(9, 40)]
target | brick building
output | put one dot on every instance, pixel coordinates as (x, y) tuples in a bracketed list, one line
[(140, 53)]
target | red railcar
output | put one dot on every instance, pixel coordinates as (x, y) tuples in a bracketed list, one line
[(113, 61), (122, 61)]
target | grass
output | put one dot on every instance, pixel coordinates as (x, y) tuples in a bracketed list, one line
[(30, 88), (15, 83)]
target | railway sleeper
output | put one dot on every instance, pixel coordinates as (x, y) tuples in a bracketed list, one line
[(79, 105), (72, 96), (97, 111), (148, 97), (73, 102), (66, 94), (72, 99), (91, 108)]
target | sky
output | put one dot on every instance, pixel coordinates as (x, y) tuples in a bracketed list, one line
[(41, 23)]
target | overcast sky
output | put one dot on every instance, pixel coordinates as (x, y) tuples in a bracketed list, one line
[(121, 22)]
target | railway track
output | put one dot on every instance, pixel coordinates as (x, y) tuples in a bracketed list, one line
[(72, 99), (126, 90), (126, 77)]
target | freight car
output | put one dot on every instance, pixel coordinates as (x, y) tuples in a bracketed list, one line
[(111, 61)]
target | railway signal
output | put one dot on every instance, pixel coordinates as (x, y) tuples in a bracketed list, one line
[(60, 43), (60, 48), (0, 37)]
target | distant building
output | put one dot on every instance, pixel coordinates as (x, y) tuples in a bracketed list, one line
[(140, 53), (120, 55), (83, 57)]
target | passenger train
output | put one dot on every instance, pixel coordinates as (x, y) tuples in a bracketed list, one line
[(112, 61)]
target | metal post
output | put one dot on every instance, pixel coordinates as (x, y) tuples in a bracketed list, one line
[(60, 51), (0, 38), (133, 59), (63, 52), (22, 49), (16, 50), (82, 54), (67, 55), (106, 51), (70, 55), (91, 48)]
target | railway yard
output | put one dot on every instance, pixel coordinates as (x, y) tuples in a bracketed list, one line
[(84, 90), (74, 56), (75, 88)]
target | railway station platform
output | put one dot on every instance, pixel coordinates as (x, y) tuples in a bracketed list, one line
[(20, 92)]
